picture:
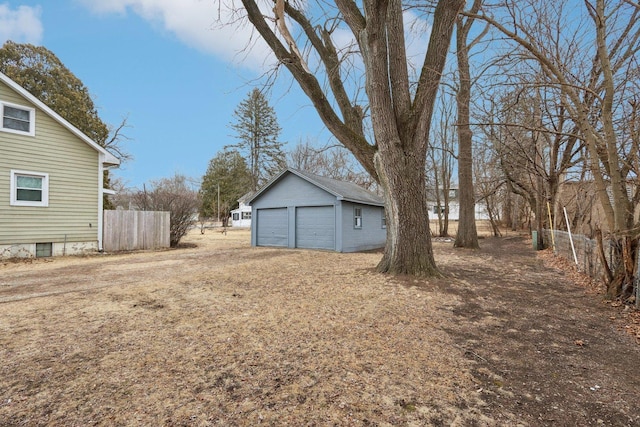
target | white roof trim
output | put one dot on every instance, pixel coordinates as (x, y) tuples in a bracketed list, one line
[(108, 157)]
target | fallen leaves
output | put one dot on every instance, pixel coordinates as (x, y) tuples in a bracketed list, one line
[(628, 317)]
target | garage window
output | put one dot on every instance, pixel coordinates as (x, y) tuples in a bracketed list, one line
[(357, 217), (384, 220)]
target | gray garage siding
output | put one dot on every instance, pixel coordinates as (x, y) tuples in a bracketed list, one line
[(318, 212), (370, 236), (315, 227), (272, 227), (293, 191)]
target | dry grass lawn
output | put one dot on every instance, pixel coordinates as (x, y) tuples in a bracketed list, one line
[(225, 334), (222, 334)]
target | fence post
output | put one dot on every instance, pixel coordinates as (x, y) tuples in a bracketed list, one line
[(575, 257)]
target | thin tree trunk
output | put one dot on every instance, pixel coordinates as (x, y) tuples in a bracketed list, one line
[(467, 234)]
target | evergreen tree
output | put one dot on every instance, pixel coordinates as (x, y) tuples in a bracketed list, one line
[(257, 130), (226, 180)]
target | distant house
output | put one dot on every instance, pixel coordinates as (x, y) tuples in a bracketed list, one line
[(51, 180), (241, 217), (454, 205), (584, 208), (300, 210)]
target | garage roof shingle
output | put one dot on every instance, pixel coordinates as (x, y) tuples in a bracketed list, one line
[(347, 191)]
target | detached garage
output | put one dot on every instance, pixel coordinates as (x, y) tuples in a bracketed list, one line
[(300, 210)]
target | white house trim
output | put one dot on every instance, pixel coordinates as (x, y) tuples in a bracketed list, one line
[(32, 119), (108, 159), (45, 188)]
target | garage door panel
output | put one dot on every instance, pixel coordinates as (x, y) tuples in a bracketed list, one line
[(273, 227), (315, 227)]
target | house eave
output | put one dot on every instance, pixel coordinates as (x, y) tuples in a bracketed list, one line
[(360, 202), (108, 159)]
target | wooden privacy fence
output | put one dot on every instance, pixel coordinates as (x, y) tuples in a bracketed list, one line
[(135, 230)]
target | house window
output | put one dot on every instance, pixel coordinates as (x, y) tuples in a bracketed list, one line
[(438, 209), (453, 194), (236, 216), (29, 188), (357, 217), (246, 215), (17, 119)]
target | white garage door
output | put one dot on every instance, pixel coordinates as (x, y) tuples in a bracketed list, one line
[(273, 227), (315, 227)]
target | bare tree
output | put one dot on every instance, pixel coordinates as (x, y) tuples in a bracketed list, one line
[(535, 140), (400, 114), (490, 184), (333, 161), (177, 197), (467, 234), (594, 67), (440, 162)]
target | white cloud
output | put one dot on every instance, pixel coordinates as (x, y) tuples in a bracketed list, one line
[(207, 25), (219, 27), (21, 25)]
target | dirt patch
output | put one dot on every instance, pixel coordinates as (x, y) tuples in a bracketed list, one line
[(226, 334), (543, 348)]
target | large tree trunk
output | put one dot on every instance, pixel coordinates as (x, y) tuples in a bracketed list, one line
[(400, 113), (402, 128), (408, 249)]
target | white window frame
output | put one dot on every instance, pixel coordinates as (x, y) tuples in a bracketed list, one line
[(357, 219), (14, 189), (32, 119)]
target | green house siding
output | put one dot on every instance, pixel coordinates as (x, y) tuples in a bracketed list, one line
[(73, 170)]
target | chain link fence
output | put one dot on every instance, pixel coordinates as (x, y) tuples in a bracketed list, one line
[(586, 254)]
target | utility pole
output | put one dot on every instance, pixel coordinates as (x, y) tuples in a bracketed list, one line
[(218, 202)]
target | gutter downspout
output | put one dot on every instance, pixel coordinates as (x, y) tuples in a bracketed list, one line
[(100, 200)]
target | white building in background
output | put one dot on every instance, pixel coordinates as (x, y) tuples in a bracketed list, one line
[(454, 206), (241, 217)]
